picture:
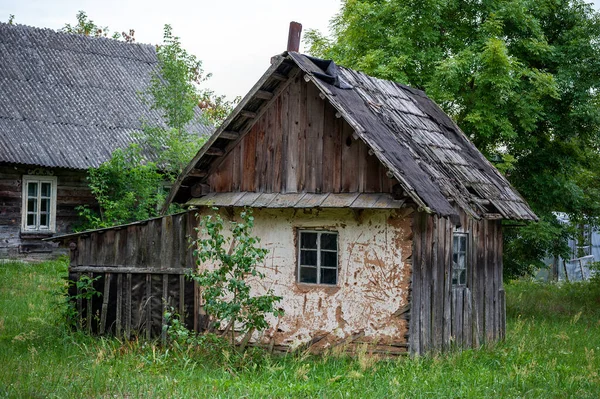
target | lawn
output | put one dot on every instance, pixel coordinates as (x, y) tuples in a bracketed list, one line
[(552, 350)]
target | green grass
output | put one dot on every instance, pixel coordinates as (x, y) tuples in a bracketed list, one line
[(552, 350)]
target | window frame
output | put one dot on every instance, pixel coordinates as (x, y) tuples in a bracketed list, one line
[(25, 228), (456, 234), (318, 250)]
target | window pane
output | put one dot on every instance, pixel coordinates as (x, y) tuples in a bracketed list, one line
[(46, 189), (308, 240), (455, 244), (461, 261), (462, 280), (44, 220), (32, 189), (328, 258), (31, 219), (328, 276), (329, 241), (32, 205), (463, 243), (308, 275), (308, 257), (45, 204)]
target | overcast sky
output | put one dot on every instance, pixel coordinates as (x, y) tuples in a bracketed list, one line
[(235, 39)]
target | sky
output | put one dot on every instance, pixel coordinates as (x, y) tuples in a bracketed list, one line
[(235, 39)]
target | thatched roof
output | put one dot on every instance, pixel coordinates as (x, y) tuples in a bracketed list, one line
[(434, 162), (70, 100)]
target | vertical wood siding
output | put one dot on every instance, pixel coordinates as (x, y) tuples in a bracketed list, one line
[(443, 316), (299, 145)]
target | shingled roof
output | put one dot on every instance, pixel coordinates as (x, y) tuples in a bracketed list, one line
[(70, 100), (434, 162)]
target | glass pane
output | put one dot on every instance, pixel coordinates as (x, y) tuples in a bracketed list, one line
[(463, 243), (308, 275), (329, 241), (31, 219), (463, 277), (308, 240), (32, 205), (328, 258), (45, 204), (308, 258), (461, 261), (329, 276), (455, 244), (44, 220), (46, 189), (32, 189)]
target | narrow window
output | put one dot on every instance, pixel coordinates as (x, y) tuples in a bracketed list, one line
[(459, 260), (318, 257), (39, 204)]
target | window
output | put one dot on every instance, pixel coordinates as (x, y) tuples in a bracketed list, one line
[(318, 257), (39, 204), (459, 260)]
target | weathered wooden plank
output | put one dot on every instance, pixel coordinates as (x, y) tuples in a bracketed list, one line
[(314, 137), (437, 303), (129, 270), (447, 290), (79, 302), (105, 299), (341, 200), (89, 313), (489, 286), (127, 313), (349, 167), (119, 312), (467, 319), (148, 305), (249, 161), (293, 122), (502, 296), (182, 296), (302, 146), (453, 326), (414, 337), (165, 304), (426, 273), (260, 156), (167, 249)]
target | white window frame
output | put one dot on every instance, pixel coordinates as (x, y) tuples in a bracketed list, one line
[(318, 249), (466, 254), (52, 208)]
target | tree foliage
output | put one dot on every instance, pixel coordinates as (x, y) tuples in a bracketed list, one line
[(86, 26), (520, 77), (130, 186), (231, 262)]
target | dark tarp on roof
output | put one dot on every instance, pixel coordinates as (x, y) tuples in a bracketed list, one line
[(71, 100)]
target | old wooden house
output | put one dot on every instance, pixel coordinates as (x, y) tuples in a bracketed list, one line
[(382, 220), (66, 102)]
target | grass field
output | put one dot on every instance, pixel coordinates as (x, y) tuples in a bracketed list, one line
[(552, 350)]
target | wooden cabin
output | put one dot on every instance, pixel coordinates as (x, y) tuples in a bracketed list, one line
[(66, 103), (382, 220)]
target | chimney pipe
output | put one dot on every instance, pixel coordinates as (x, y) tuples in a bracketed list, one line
[(294, 36)]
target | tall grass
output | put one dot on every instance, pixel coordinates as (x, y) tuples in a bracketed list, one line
[(551, 351)]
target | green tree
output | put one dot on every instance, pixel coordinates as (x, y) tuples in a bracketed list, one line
[(129, 186), (232, 260), (520, 77), (86, 26)]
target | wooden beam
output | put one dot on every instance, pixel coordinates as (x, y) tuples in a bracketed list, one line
[(197, 173), (279, 76), (129, 270), (264, 95), (215, 151), (229, 135), (248, 114)]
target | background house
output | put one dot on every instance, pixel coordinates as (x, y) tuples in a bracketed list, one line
[(66, 102), (382, 220)]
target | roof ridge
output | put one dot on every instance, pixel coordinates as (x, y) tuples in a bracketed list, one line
[(145, 46)]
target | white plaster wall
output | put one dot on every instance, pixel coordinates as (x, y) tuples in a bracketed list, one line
[(373, 277)]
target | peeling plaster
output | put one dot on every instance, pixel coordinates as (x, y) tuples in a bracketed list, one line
[(373, 277)]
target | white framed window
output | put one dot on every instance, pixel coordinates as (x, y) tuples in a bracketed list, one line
[(459, 259), (317, 257), (39, 204)]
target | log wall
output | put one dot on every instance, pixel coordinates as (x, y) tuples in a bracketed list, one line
[(443, 316), (299, 145), (72, 191)]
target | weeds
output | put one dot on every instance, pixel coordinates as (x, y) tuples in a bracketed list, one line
[(551, 351)]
